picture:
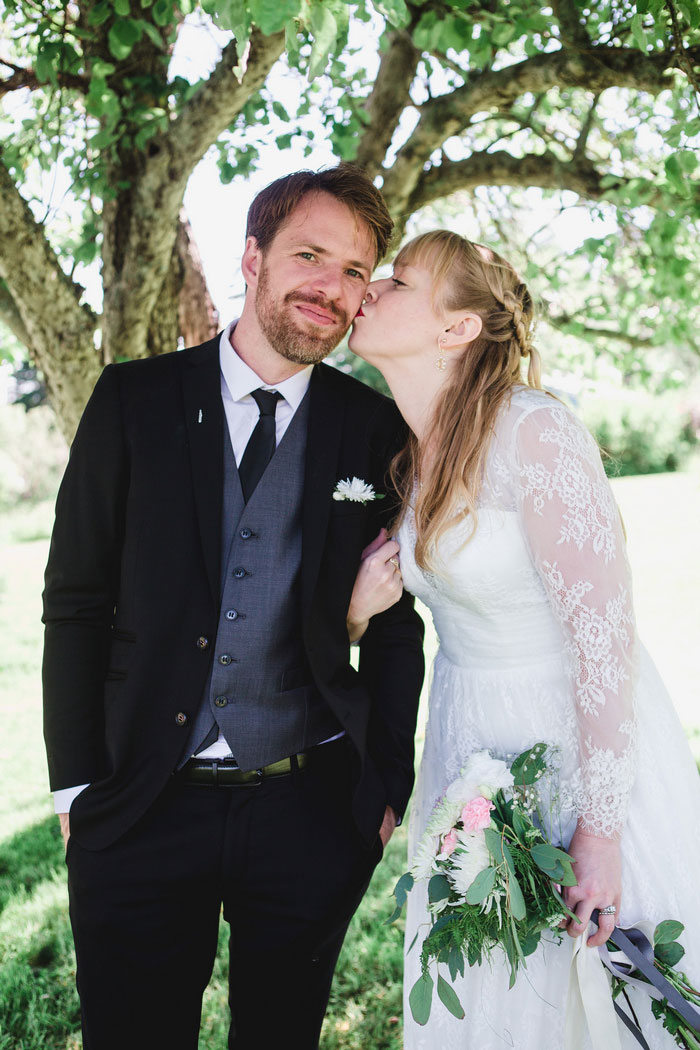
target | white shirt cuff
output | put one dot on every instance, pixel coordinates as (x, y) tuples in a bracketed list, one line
[(63, 799)]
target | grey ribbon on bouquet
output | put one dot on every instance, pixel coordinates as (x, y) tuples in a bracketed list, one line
[(636, 952)]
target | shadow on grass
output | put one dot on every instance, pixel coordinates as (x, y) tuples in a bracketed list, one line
[(30, 857)]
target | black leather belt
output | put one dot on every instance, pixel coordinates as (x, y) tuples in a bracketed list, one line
[(213, 773)]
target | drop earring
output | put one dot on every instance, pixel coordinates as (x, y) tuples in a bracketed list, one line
[(441, 359)]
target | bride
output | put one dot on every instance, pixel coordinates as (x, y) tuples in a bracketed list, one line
[(509, 533)]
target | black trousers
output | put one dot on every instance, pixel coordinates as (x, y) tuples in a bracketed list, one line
[(284, 860)]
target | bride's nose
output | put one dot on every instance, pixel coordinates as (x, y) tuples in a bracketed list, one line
[(375, 289)]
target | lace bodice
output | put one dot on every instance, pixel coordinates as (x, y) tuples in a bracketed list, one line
[(545, 579)]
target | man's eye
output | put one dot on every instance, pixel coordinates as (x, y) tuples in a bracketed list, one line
[(307, 255), (356, 273)]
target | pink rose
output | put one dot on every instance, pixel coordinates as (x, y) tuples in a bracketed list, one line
[(449, 841), (476, 814)]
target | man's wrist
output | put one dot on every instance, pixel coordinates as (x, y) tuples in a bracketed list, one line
[(356, 629)]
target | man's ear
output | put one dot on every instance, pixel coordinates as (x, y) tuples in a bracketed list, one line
[(251, 262), (463, 331)]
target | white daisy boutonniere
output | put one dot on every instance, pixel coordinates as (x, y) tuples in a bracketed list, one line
[(357, 491)]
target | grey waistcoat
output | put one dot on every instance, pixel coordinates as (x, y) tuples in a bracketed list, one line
[(259, 692)]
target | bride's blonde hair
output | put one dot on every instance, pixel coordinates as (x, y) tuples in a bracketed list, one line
[(471, 277)]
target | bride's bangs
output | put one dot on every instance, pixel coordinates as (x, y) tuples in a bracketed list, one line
[(437, 252)]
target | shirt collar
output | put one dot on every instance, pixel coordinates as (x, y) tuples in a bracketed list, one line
[(241, 380)]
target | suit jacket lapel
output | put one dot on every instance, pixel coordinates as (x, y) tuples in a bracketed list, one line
[(325, 427), (204, 417)]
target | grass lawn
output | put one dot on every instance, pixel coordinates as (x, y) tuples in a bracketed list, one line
[(38, 1004)]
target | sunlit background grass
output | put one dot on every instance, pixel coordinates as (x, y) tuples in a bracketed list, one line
[(38, 1003)]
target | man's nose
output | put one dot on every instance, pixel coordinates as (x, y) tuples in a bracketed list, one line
[(328, 281)]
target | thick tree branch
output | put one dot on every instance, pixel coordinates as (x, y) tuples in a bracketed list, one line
[(27, 78), (11, 317), (59, 330), (496, 90), (156, 198), (388, 100), (503, 169)]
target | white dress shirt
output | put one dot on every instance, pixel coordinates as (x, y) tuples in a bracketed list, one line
[(238, 380)]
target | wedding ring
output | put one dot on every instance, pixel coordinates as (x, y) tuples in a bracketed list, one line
[(395, 563), (609, 910)]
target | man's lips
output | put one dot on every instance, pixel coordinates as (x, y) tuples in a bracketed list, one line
[(360, 313), (316, 313)]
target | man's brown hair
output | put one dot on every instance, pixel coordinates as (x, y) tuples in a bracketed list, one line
[(347, 183)]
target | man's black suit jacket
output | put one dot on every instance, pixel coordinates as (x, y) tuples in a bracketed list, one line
[(132, 593)]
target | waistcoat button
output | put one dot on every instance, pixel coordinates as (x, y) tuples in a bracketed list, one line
[(231, 614), (240, 572), (221, 701), (225, 659), (245, 533)]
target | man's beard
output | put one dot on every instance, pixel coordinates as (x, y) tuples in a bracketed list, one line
[(274, 317)]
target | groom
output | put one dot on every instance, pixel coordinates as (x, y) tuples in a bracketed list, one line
[(209, 743)]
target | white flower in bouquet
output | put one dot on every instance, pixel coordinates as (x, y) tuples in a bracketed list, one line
[(444, 816), (470, 857), (482, 775), (422, 866)]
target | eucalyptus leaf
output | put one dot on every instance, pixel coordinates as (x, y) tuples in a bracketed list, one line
[(455, 962), (448, 997), (439, 889), (401, 891), (494, 844), (420, 999), (528, 766), (517, 901), (482, 885)]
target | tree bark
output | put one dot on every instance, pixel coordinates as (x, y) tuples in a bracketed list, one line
[(136, 265), (60, 331), (197, 315)]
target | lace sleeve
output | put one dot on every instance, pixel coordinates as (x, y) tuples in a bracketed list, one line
[(574, 532)]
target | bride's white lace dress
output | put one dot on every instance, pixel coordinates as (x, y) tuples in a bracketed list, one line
[(537, 642)]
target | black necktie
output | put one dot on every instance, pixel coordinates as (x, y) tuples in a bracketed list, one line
[(261, 443)]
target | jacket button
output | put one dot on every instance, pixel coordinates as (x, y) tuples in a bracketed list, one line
[(221, 701), (245, 533), (181, 718), (202, 642)]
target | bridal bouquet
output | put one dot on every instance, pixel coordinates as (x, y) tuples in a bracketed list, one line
[(494, 878), (494, 882)]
